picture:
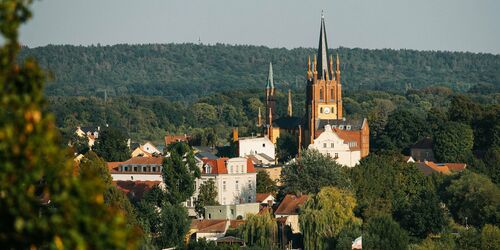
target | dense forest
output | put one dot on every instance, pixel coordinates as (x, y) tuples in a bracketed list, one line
[(188, 71)]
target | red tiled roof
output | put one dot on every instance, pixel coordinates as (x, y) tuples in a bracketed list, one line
[(429, 167), (143, 161), (291, 204), (112, 166), (235, 223), (260, 197), (176, 138), (136, 189), (456, 166), (219, 165), (349, 136), (209, 226)]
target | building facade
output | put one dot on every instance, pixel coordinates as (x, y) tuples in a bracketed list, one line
[(329, 143)]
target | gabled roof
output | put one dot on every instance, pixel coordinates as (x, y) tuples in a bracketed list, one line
[(260, 197), (143, 161), (291, 204), (456, 167), (219, 165), (209, 226), (136, 189), (176, 138), (429, 167), (355, 124)]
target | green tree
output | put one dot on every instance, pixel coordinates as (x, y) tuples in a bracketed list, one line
[(422, 215), (264, 183), (43, 204), (287, 146), (492, 164), (490, 237), (462, 109), (382, 232), (207, 197), (453, 142), (179, 173), (323, 216), (93, 165), (259, 230), (312, 172), (173, 225), (475, 197), (403, 128), (79, 144), (112, 145)]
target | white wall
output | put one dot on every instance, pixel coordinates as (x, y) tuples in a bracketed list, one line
[(253, 146), (136, 177), (329, 143)]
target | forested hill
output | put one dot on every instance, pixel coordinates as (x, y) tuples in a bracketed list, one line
[(191, 70)]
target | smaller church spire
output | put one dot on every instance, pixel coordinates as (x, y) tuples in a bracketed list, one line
[(338, 63), (314, 65), (259, 119), (289, 102), (270, 78), (331, 65)]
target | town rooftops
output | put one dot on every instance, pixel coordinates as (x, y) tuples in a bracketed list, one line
[(136, 189), (429, 167), (169, 139), (209, 226), (260, 197), (343, 124), (291, 204), (112, 166)]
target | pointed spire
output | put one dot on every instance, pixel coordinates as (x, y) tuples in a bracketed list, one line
[(331, 64), (259, 119), (289, 103), (308, 63), (314, 64), (322, 65), (270, 80), (338, 62)]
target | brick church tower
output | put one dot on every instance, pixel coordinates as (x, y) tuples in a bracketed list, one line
[(323, 91)]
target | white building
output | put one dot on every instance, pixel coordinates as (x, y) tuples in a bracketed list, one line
[(137, 169), (330, 144), (235, 180), (261, 147)]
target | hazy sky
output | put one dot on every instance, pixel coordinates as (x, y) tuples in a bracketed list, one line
[(456, 25)]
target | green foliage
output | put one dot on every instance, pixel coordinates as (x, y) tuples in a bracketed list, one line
[(93, 165), (444, 242), (463, 109), (469, 239), (312, 172), (259, 230), (179, 173), (422, 215), (43, 204), (347, 235), (382, 232), (453, 142), (473, 196), (403, 129), (173, 225), (203, 244), (323, 216), (112, 145), (287, 146), (207, 197), (385, 183), (264, 183), (490, 237), (79, 144)]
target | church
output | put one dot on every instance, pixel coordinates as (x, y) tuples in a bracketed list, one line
[(324, 126)]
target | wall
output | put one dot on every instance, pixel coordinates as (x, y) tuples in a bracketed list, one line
[(230, 212), (249, 146)]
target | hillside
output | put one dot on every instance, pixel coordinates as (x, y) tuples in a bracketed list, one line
[(188, 71)]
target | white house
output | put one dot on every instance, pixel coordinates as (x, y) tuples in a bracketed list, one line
[(235, 180), (261, 147), (137, 169), (330, 144)]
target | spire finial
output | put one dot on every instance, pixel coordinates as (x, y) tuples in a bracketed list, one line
[(270, 79), (289, 102), (322, 15), (322, 65), (338, 62)]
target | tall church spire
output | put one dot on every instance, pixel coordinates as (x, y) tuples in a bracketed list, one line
[(322, 65)]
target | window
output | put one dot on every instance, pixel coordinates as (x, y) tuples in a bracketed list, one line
[(144, 169), (331, 94), (232, 211), (223, 200), (263, 145), (321, 94), (135, 169), (321, 110), (231, 169), (328, 154), (224, 186), (249, 199), (341, 127), (210, 216), (336, 155), (332, 144), (324, 145), (250, 185), (154, 169), (237, 186), (348, 127), (125, 169)]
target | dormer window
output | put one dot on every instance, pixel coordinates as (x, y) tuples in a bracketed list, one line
[(348, 127), (341, 126), (208, 169)]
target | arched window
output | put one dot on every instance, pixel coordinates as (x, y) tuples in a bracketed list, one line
[(332, 94), (321, 93)]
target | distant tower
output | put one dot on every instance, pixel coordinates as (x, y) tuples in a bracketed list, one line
[(290, 112), (270, 101), (324, 89)]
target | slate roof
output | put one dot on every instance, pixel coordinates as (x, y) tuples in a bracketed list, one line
[(206, 155), (355, 124)]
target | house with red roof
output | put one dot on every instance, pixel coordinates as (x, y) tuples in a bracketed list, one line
[(288, 211), (429, 167), (137, 169), (235, 180), (343, 146)]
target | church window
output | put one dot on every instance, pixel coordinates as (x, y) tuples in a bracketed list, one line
[(321, 110), (331, 94), (321, 94)]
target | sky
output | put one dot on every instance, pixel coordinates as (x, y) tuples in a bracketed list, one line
[(450, 25)]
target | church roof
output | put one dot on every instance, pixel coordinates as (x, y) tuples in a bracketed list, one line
[(344, 124), (322, 63)]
